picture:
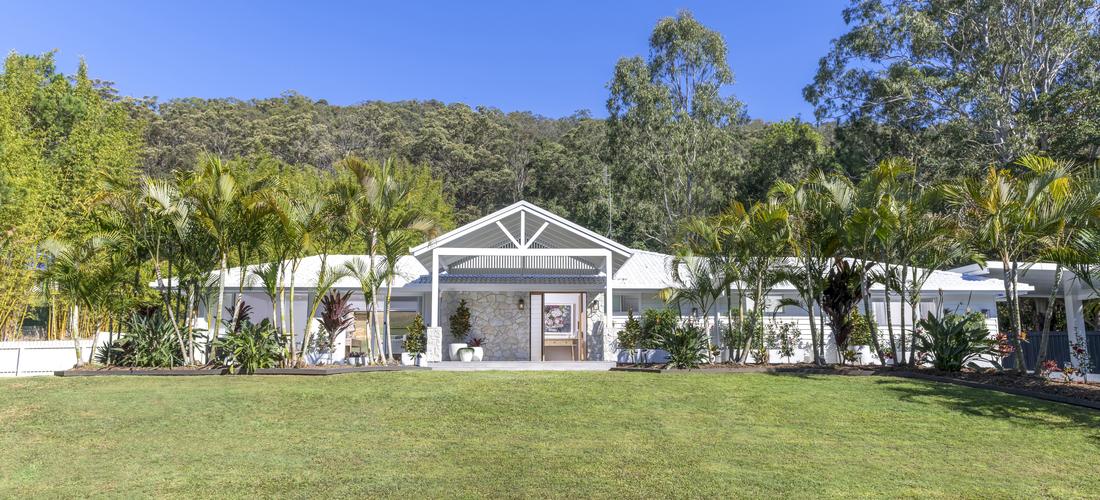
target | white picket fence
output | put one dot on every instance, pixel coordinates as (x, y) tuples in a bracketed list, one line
[(26, 358)]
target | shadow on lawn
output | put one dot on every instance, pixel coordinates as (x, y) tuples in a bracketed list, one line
[(985, 403)]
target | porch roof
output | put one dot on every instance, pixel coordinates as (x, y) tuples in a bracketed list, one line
[(522, 227)]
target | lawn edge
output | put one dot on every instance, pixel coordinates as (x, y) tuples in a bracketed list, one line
[(169, 372)]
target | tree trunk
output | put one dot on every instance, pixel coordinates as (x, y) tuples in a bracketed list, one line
[(809, 302), (1021, 366), (167, 299), (889, 315), (1048, 318), (74, 321), (217, 326), (903, 295), (389, 338), (868, 316)]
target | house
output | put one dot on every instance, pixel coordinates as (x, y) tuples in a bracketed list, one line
[(537, 286), (1044, 279)]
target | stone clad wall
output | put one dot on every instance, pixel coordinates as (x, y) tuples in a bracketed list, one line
[(496, 318), (599, 346)]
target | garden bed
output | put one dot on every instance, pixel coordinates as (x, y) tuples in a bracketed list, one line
[(1086, 395), (204, 371), (744, 368)]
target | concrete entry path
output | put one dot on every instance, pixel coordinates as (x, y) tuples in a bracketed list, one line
[(458, 366)]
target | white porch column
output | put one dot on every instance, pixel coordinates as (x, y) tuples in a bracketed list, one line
[(608, 305), (1075, 317), (435, 289)]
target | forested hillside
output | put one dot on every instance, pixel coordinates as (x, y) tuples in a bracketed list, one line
[(677, 142)]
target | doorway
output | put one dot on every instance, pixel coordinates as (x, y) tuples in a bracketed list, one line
[(559, 326)]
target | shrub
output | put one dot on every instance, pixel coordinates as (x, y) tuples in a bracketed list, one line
[(416, 340), (784, 337), (630, 336), (657, 324), (861, 331), (686, 346), (954, 340), (336, 318), (249, 348), (460, 322), (149, 342)]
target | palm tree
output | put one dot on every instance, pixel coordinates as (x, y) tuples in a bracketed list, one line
[(753, 244), (1000, 213), (818, 207), (700, 282), (214, 192), (1063, 209), (83, 277)]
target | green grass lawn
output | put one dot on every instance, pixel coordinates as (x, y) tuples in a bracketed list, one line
[(536, 434)]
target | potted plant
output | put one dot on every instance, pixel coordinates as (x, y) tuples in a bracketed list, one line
[(629, 338), (466, 354), (414, 343), (460, 328), (477, 343)]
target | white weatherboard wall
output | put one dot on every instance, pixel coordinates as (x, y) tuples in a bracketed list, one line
[(42, 357)]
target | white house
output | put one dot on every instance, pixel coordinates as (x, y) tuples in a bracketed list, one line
[(537, 284)]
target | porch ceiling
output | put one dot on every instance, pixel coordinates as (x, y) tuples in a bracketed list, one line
[(523, 225)]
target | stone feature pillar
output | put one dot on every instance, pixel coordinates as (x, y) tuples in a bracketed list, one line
[(434, 345)]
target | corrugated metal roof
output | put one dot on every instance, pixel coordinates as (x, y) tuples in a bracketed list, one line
[(536, 279)]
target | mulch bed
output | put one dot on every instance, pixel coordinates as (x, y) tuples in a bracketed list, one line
[(1079, 394), (191, 371)]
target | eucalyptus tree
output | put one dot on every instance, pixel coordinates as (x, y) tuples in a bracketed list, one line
[(670, 122), (983, 73), (999, 213)]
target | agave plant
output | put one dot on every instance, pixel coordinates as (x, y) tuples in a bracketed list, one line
[(686, 346), (150, 341), (954, 340)]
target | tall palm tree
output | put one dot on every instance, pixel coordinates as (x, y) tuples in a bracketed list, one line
[(1000, 213), (81, 274), (1062, 210), (763, 245), (817, 210), (214, 192)]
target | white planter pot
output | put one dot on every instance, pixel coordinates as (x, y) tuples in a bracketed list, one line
[(452, 350), (466, 354), (410, 359), (479, 352)]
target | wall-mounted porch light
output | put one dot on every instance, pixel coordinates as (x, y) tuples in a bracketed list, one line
[(520, 304)]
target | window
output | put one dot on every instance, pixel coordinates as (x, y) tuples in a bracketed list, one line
[(628, 302), (897, 309)]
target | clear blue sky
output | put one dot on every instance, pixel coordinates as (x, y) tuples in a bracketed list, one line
[(552, 58)]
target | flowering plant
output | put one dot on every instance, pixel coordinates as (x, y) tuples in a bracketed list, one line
[(1047, 367), (1004, 344), (1080, 353)]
